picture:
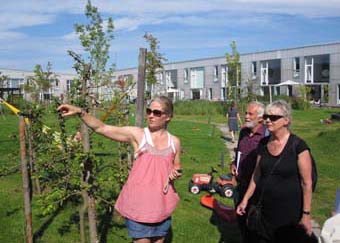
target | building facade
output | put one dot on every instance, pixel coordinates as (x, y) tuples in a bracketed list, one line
[(316, 67), (12, 86)]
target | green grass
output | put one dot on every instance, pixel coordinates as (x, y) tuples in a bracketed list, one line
[(191, 221), (202, 149)]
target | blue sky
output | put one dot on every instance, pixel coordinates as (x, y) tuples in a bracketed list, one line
[(37, 31)]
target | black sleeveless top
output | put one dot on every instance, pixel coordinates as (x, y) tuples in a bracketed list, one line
[(283, 197)]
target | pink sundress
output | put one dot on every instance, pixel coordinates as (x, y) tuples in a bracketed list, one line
[(142, 198)]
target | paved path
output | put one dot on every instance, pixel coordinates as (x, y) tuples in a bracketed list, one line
[(231, 146)]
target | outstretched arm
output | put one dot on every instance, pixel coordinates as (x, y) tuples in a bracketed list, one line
[(120, 134)]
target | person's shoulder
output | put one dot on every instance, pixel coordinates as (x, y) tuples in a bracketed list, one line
[(296, 139), (298, 144), (137, 132), (264, 140), (136, 129), (263, 131), (176, 139), (244, 131)]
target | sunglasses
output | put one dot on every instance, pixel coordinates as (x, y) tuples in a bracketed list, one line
[(157, 113), (272, 117)]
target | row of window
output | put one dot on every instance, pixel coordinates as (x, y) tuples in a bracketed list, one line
[(316, 70)]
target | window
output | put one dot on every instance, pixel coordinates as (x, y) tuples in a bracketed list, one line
[(224, 94), (215, 73), (210, 94), (264, 73), (277, 91), (68, 85), (253, 70), (290, 90), (309, 72), (296, 67), (224, 76), (15, 82), (338, 92), (317, 69), (196, 94), (197, 78), (271, 72), (171, 79), (168, 79), (186, 75)]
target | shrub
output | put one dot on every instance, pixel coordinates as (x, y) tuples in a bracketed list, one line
[(200, 107), (298, 103)]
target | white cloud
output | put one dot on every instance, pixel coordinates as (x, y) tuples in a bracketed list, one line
[(11, 21), (10, 35), (300, 7), (193, 24)]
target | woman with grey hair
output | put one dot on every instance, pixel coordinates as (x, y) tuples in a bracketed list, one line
[(282, 180)]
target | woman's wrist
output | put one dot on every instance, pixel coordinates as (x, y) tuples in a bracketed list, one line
[(81, 113), (306, 213)]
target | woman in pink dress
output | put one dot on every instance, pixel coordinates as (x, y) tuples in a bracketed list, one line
[(148, 198)]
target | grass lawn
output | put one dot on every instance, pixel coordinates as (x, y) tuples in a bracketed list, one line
[(202, 149)]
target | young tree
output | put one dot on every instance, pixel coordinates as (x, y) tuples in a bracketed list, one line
[(154, 61), (91, 68), (95, 39), (234, 72), (3, 79), (39, 83)]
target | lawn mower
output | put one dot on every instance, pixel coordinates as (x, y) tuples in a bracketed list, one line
[(224, 211), (224, 185)]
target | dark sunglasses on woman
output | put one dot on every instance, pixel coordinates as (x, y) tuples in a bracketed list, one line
[(157, 113), (272, 117)]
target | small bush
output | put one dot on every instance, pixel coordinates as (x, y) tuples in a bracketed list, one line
[(298, 103), (200, 107)]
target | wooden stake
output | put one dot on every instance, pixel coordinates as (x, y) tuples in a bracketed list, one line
[(25, 182), (140, 87)]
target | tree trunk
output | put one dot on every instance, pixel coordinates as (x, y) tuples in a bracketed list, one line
[(82, 211), (25, 182), (140, 87), (32, 157), (92, 214), (87, 173)]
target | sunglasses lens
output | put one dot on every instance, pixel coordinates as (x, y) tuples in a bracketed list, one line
[(272, 117), (157, 113)]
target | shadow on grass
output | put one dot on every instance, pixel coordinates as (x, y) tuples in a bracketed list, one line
[(40, 232), (106, 223), (12, 212), (229, 231)]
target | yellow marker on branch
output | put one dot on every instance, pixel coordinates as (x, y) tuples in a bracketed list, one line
[(45, 129), (14, 109)]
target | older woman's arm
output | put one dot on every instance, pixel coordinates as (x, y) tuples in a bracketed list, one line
[(241, 208), (305, 170)]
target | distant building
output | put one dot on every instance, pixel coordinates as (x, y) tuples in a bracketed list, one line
[(17, 78), (315, 66)]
